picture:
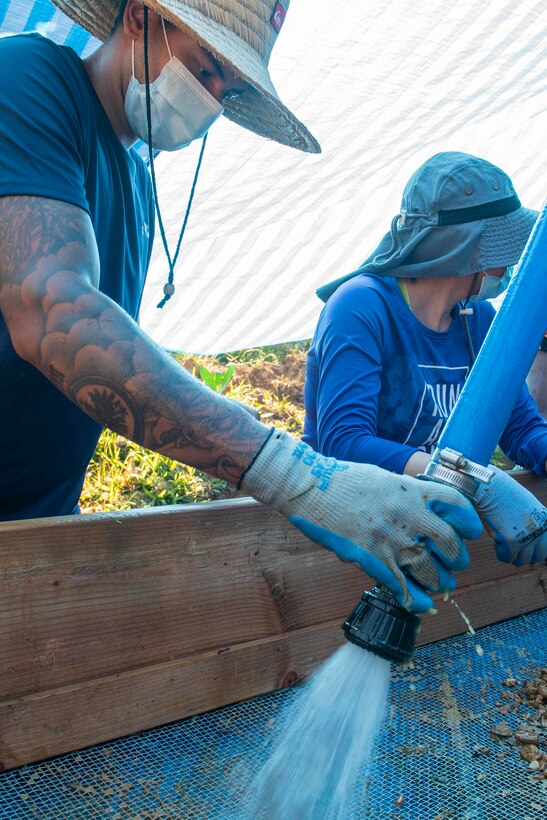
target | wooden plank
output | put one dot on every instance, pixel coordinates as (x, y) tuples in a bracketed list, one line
[(85, 597), (98, 596), (37, 726)]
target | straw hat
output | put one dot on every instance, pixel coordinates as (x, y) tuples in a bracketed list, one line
[(459, 215), (240, 34)]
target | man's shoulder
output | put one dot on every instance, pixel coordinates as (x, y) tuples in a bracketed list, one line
[(41, 60), (30, 45)]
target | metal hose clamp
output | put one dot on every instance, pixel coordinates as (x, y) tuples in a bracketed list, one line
[(453, 468)]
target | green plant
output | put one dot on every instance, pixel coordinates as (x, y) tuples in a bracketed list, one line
[(216, 380), (269, 354), (500, 460), (123, 475)]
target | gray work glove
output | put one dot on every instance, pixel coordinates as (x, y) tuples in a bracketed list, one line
[(515, 518), (401, 531)]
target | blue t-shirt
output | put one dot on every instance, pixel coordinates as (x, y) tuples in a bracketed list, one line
[(380, 385), (56, 141)]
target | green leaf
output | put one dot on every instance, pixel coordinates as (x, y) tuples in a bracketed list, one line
[(216, 380), (226, 378)]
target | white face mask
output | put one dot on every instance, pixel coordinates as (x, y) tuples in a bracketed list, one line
[(492, 286), (181, 109)]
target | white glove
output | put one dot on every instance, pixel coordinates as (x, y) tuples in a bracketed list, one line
[(398, 529), (516, 519)]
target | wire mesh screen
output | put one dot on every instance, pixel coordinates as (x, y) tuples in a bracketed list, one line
[(436, 759)]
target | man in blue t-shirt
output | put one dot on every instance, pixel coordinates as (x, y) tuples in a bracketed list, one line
[(76, 226), (397, 339)]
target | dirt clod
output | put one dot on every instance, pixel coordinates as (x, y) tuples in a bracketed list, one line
[(501, 730), (529, 752), (526, 734)]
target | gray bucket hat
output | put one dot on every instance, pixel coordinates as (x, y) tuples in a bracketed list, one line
[(459, 215)]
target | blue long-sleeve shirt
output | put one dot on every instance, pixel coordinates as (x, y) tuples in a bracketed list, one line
[(380, 385)]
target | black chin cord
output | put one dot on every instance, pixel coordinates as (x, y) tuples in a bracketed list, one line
[(169, 287), (464, 312)]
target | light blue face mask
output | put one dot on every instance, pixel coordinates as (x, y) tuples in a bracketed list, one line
[(181, 109), (492, 286)]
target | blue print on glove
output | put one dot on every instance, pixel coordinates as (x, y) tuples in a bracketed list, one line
[(322, 467)]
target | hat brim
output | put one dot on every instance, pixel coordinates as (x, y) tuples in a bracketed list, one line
[(441, 252), (259, 109), (504, 238)]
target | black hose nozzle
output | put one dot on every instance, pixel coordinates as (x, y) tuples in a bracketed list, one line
[(381, 625)]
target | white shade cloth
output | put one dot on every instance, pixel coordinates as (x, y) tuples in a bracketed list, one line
[(382, 86)]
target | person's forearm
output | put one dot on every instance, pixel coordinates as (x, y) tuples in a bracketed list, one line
[(100, 359), (104, 363), (416, 464), (346, 443), (524, 439)]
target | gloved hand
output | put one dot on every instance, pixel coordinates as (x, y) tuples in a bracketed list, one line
[(398, 529), (516, 519)]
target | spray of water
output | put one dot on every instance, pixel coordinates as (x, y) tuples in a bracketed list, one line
[(325, 741)]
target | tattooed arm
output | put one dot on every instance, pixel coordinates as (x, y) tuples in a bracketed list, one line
[(97, 355)]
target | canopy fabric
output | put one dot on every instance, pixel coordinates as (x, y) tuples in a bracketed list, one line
[(382, 86)]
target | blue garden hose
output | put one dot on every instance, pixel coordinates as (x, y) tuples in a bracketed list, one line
[(489, 394)]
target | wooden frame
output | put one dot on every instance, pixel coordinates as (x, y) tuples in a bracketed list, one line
[(117, 622)]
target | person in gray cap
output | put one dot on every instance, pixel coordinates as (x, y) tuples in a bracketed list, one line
[(398, 336), (76, 226)]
